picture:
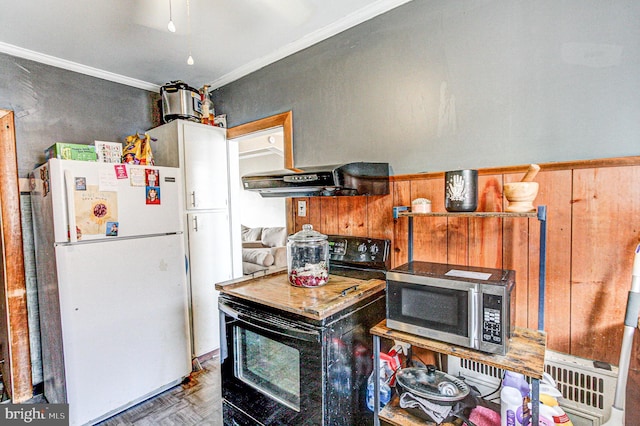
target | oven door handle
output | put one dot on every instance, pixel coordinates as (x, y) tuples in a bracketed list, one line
[(271, 326), (282, 330), (228, 311)]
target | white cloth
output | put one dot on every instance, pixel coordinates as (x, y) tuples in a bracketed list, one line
[(437, 412)]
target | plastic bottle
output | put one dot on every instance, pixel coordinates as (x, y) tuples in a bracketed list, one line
[(515, 391), (510, 402), (204, 97), (556, 412), (547, 416), (385, 390), (515, 402), (549, 406)]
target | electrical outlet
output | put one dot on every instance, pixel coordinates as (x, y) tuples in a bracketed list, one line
[(302, 208)]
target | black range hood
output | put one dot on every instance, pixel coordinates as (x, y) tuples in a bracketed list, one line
[(338, 180)]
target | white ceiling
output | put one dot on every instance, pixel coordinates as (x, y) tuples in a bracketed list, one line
[(127, 40)]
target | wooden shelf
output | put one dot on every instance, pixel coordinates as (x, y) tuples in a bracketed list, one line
[(526, 355), (406, 213), (396, 416), (526, 349)]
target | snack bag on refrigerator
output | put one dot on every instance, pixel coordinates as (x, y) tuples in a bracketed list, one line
[(137, 150)]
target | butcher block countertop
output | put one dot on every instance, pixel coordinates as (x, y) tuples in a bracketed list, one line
[(317, 303)]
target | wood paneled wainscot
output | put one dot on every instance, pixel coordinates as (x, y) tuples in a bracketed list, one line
[(593, 227)]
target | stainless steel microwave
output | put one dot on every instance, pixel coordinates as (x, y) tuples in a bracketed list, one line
[(462, 305)]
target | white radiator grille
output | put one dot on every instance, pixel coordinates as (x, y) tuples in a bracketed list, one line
[(576, 386), (587, 391)]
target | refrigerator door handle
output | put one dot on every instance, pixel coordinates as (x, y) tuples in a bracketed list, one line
[(69, 183), (193, 198), (195, 223)]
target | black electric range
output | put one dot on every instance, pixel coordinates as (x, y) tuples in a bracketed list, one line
[(302, 356)]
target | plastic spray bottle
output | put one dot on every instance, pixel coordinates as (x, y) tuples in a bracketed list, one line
[(550, 410)]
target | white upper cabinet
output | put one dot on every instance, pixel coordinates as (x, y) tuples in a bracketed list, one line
[(206, 174)]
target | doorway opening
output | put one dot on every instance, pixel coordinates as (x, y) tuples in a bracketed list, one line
[(261, 152), (263, 145)]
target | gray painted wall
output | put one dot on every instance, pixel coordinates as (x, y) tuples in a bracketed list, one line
[(54, 105), (445, 84)]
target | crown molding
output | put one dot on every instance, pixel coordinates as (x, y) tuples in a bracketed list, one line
[(349, 21), (74, 66)]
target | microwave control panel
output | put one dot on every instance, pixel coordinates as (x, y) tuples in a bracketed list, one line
[(492, 318)]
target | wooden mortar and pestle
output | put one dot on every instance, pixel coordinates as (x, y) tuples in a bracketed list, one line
[(520, 195)]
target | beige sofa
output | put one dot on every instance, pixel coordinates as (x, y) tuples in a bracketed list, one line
[(263, 249)]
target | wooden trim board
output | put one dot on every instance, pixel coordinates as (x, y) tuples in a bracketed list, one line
[(18, 361), (284, 119)]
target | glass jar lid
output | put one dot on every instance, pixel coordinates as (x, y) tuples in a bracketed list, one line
[(432, 384), (307, 234)]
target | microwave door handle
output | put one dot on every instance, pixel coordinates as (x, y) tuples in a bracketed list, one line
[(474, 320)]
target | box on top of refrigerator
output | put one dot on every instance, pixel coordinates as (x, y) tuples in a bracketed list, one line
[(108, 152), (71, 151)]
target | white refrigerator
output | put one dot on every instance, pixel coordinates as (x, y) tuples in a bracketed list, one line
[(112, 294)]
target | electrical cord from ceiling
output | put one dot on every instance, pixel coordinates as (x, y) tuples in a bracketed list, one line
[(171, 26), (190, 59)]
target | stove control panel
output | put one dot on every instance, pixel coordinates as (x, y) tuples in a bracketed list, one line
[(359, 250)]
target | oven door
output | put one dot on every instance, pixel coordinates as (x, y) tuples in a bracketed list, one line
[(271, 367), (436, 309)]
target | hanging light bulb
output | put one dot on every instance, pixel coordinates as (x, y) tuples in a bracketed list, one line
[(171, 26), (190, 59)]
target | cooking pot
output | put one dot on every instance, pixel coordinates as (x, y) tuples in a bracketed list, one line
[(419, 387), (432, 385), (180, 101)]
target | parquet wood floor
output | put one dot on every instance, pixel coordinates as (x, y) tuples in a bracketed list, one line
[(196, 402)]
